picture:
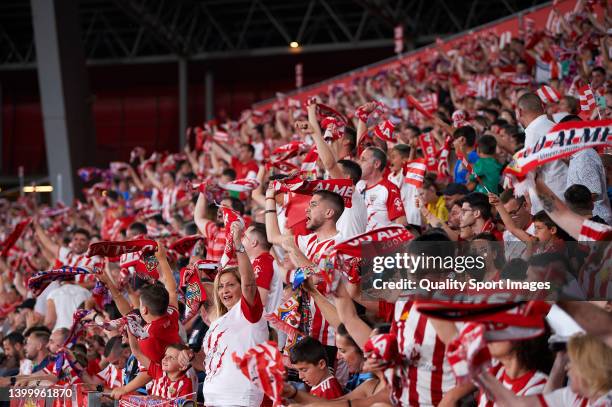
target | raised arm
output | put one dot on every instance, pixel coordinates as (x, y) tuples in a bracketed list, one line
[(122, 304), (327, 308), (221, 153), (359, 330), (507, 219), (504, 397), (135, 178), (154, 181), (594, 320), (567, 220), (142, 358), (325, 152), (44, 239), (165, 275), (248, 283), (191, 157), (258, 194), (199, 214), (271, 218)]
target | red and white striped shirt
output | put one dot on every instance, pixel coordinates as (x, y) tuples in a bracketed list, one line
[(429, 373), (529, 384), (313, 249), (170, 198), (485, 86), (111, 376), (593, 231), (215, 243), (164, 387), (66, 257), (67, 376)]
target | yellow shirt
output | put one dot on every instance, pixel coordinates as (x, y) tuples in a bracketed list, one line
[(438, 209)]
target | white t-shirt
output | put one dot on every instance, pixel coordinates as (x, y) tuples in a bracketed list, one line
[(225, 385), (383, 203), (409, 193), (565, 397), (41, 300), (275, 294), (513, 247), (555, 172), (353, 220), (67, 299)]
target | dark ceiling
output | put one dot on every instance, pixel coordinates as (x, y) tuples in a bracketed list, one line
[(138, 31)]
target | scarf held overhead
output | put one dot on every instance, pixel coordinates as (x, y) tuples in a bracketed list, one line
[(342, 187), (115, 249)]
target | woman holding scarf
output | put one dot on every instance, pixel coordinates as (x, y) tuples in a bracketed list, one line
[(236, 327)]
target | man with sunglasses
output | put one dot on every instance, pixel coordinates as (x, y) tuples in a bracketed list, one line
[(520, 211)]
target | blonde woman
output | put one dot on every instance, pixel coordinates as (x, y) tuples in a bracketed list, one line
[(236, 326), (590, 379)]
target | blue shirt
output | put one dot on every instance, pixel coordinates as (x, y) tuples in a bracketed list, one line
[(461, 173), (356, 379), (130, 371)]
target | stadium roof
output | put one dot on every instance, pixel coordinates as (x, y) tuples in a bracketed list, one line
[(150, 31)]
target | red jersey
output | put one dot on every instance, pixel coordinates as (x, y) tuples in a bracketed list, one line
[(164, 387), (162, 332), (328, 389), (264, 270), (245, 170)]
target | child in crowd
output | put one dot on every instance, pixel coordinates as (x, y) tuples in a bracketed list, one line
[(169, 380), (487, 170), (309, 359)]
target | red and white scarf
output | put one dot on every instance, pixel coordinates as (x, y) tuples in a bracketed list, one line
[(263, 366), (502, 322), (229, 217), (414, 172), (240, 185), (430, 151), (293, 183), (468, 353), (185, 245), (193, 290), (116, 249), (563, 140), (11, 239), (308, 169)]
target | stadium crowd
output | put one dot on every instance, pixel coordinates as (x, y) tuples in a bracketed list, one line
[(174, 265)]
